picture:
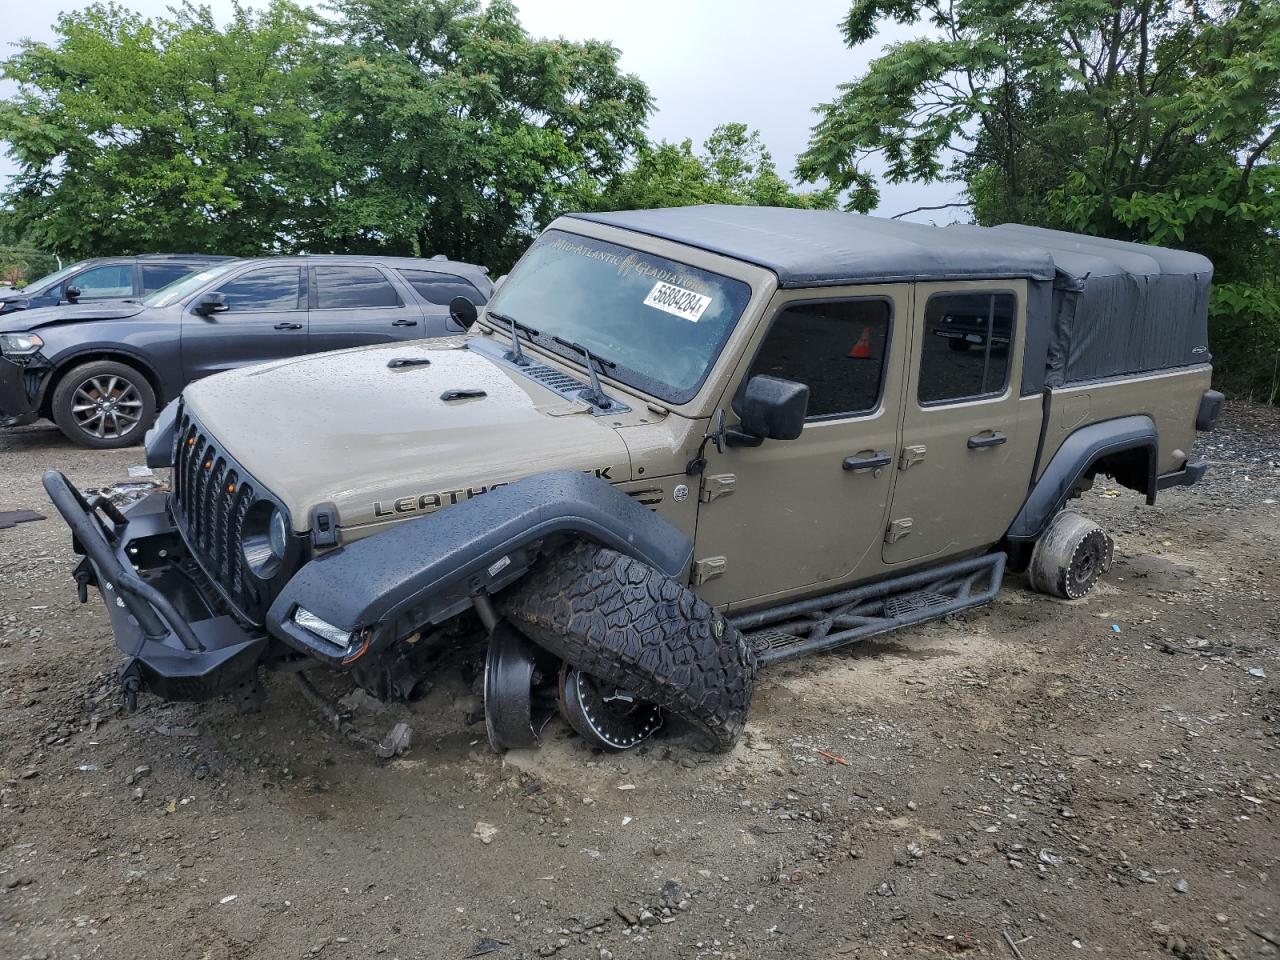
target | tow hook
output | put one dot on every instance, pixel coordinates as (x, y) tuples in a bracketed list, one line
[(130, 684)]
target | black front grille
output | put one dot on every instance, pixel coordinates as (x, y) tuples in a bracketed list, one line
[(211, 497)]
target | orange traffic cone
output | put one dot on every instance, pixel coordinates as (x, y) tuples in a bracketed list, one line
[(862, 349)]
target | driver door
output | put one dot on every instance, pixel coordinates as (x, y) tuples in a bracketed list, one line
[(797, 516)]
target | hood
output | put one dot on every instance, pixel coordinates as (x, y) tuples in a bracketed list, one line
[(21, 321), (380, 444)]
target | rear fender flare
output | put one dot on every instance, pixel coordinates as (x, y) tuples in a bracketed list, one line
[(424, 571), (1078, 453)]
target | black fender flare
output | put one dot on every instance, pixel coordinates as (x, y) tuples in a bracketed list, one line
[(423, 571), (1080, 451), (159, 440)]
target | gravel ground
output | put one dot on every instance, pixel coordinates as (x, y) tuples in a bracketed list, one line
[(1032, 780)]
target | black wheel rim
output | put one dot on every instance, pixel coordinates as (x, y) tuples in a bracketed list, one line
[(607, 717), (107, 406)]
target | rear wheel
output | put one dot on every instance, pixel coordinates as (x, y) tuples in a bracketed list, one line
[(103, 405), (1068, 560), (641, 638)]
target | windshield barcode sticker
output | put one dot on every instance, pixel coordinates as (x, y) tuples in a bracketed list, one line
[(677, 300)]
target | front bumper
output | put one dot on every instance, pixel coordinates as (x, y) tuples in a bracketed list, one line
[(17, 405), (176, 643)]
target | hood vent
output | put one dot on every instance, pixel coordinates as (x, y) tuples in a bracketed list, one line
[(554, 379)]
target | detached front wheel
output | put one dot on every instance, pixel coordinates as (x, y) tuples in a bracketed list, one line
[(641, 638)]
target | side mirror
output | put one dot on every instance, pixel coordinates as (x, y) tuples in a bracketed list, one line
[(211, 303), (772, 408), (497, 284), (71, 292), (462, 312)]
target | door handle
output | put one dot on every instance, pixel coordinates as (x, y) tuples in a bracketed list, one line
[(881, 458), (982, 440), (288, 326), (404, 323)]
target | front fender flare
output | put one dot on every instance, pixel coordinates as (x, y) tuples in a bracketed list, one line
[(1081, 450), (426, 570)]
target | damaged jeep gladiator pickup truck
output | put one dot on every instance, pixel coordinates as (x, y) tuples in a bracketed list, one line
[(677, 446)]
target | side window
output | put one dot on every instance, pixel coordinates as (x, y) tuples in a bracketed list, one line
[(440, 288), (837, 348), (965, 351), (157, 275), (266, 289), (114, 280), (341, 288)]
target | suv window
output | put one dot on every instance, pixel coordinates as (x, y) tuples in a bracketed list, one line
[(157, 275), (265, 289), (113, 280), (837, 348), (340, 288), (440, 288), (965, 353)]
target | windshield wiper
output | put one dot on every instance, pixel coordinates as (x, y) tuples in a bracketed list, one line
[(595, 395), (516, 353)]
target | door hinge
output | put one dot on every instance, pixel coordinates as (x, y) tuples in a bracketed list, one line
[(717, 485), (897, 530), (708, 568), (911, 456)]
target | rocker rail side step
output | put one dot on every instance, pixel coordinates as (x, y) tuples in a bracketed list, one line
[(823, 623)]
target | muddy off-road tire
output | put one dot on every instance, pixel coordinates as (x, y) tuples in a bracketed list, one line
[(619, 620), (1068, 560)]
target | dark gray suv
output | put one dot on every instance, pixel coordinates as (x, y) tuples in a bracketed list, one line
[(101, 370), (105, 278)]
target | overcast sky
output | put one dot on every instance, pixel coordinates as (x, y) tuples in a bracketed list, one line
[(758, 62)]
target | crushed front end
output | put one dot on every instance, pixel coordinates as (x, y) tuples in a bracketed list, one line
[(179, 641), (187, 575)]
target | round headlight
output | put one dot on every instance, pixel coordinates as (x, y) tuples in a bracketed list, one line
[(264, 538)]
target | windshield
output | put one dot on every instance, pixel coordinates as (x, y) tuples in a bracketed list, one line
[(51, 279), (188, 284), (662, 322)]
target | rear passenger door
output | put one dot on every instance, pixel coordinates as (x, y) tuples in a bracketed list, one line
[(265, 319), (357, 304), (960, 472), (437, 290)]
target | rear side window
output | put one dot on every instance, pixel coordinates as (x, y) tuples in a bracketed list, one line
[(265, 289), (440, 288), (114, 280), (837, 348), (341, 288), (157, 275), (965, 351)]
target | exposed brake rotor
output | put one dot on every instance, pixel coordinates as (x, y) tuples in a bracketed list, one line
[(515, 710), (606, 716)]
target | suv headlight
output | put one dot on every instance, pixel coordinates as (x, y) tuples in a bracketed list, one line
[(19, 344), (264, 538)]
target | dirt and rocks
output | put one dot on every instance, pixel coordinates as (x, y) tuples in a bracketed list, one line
[(1033, 780)]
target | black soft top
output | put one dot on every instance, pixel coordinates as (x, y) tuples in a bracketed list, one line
[(807, 248), (1098, 307)]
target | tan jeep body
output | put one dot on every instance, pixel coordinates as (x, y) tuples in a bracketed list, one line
[(811, 427)]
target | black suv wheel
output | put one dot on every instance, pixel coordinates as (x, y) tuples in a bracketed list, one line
[(104, 405)]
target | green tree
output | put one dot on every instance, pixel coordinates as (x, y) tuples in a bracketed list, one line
[(459, 133), (1148, 120), (734, 167), (135, 134)]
